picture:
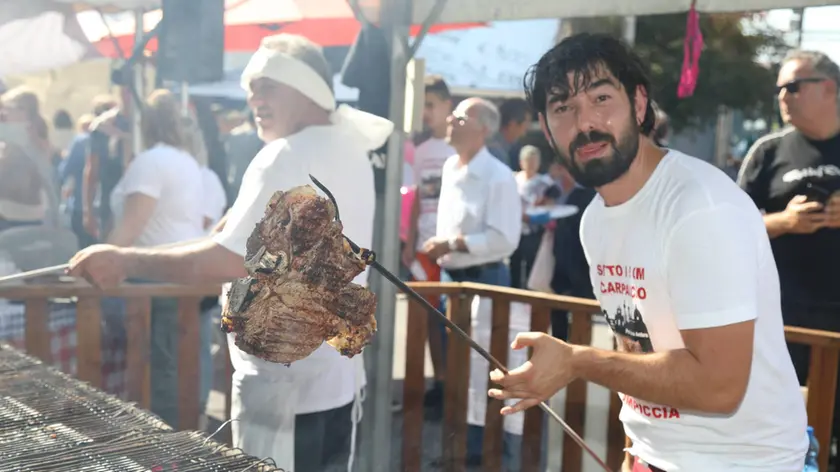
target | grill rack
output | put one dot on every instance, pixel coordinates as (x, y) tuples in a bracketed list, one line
[(50, 421)]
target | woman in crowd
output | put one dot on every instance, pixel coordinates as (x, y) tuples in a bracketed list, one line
[(199, 144), (532, 186), (21, 189), (20, 105), (159, 201)]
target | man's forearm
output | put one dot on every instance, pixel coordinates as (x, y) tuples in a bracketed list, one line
[(488, 242), (776, 223), (202, 261), (673, 378)]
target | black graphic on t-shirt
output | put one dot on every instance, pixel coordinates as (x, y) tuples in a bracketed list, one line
[(629, 328), (430, 187)]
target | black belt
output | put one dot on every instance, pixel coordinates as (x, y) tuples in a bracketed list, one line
[(471, 272)]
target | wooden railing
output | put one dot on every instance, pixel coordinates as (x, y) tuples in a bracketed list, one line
[(822, 380), (137, 326)]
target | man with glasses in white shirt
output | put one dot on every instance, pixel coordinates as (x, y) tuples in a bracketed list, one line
[(479, 223)]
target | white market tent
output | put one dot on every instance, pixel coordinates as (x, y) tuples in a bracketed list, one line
[(397, 15), (456, 11)]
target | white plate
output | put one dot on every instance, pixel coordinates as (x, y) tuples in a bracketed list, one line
[(554, 212)]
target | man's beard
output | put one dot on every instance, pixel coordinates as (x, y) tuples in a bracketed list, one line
[(600, 171)]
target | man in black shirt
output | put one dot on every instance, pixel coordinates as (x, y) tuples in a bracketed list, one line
[(794, 176)]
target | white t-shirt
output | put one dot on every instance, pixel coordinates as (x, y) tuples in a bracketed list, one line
[(173, 178), (429, 158), (214, 196), (338, 158), (690, 251)]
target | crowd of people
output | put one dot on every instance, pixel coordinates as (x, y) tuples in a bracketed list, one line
[(90, 185), (695, 281)]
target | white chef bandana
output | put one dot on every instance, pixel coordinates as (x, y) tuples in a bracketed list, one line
[(287, 70)]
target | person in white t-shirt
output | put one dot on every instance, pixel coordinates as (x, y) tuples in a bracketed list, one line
[(158, 201), (682, 267), (429, 157), (303, 416), (215, 199)]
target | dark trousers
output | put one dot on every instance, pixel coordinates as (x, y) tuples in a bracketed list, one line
[(322, 440), (560, 324), (522, 260), (79, 230), (822, 318)]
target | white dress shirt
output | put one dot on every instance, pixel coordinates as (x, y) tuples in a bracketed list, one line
[(481, 202)]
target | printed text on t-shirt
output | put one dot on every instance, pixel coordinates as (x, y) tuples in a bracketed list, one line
[(660, 412), (633, 290)]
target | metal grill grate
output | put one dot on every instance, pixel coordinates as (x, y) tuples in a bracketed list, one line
[(50, 421)]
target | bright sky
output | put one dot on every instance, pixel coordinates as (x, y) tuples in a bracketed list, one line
[(820, 29)]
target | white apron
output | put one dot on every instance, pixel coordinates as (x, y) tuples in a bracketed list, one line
[(520, 321), (265, 409)]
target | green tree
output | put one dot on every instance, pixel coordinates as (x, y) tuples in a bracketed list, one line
[(730, 75)]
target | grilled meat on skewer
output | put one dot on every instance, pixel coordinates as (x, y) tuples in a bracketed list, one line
[(299, 293)]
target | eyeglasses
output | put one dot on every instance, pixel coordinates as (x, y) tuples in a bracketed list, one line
[(461, 119), (794, 85)]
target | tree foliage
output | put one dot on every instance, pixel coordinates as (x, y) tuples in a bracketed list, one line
[(730, 74)]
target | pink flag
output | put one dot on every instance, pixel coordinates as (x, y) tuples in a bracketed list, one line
[(691, 60)]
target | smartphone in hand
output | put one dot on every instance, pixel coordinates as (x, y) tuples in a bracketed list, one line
[(816, 193)]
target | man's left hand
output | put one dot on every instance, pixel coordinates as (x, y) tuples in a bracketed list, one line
[(537, 380), (436, 248), (832, 211)]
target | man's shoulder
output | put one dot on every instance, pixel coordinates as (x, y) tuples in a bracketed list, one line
[(696, 185), (500, 171), (765, 147)]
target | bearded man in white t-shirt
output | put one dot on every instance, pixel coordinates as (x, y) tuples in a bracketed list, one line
[(303, 416), (682, 267)]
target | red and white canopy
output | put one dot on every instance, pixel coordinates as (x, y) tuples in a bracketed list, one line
[(325, 22)]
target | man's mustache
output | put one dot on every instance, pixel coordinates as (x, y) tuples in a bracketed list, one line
[(582, 139)]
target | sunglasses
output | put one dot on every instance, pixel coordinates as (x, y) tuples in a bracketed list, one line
[(794, 85)]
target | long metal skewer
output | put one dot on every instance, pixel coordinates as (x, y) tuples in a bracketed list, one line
[(370, 259), (29, 274), (57, 269)]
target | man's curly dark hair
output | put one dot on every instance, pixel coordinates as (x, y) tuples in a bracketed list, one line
[(586, 55)]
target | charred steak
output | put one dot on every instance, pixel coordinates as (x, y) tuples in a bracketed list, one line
[(298, 293)]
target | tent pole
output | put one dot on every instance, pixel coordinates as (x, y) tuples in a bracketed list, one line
[(375, 444), (628, 30), (138, 82)]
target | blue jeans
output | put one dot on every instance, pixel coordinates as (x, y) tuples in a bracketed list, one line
[(512, 443)]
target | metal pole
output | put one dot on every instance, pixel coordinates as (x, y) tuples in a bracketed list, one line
[(375, 446), (138, 84), (628, 30), (800, 21), (185, 99)]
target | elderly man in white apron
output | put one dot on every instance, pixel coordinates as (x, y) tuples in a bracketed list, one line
[(303, 416)]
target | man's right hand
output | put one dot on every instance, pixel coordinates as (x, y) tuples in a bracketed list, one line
[(102, 265), (804, 217)]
